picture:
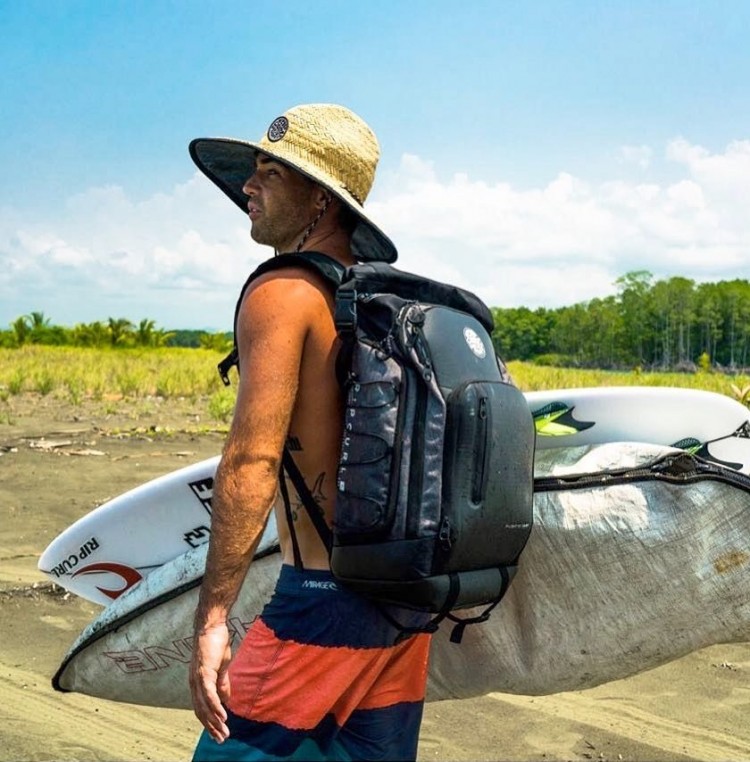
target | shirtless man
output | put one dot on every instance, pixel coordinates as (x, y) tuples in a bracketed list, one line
[(317, 676)]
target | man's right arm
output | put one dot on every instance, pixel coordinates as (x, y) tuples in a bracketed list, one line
[(271, 339)]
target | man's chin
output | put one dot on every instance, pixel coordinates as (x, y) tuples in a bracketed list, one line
[(258, 235)]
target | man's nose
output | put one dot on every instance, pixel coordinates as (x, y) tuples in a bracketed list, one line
[(250, 187)]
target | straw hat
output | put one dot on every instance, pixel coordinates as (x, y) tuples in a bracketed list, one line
[(329, 144)]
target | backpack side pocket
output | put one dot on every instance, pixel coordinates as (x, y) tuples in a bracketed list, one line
[(367, 479)]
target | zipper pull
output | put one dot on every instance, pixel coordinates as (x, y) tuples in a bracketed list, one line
[(416, 318), (415, 315), (444, 535), (482, 412)]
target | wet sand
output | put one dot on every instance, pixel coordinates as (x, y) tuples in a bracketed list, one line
[(59, 461)]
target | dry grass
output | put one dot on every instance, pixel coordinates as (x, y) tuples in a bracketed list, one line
[(78, 374)]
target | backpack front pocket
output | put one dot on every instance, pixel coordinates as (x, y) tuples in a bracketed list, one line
[(487, 473)]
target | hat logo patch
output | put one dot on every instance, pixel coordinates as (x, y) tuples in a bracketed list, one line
[(476, 345), (278, 129)]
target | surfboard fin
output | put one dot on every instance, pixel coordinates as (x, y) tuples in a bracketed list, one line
[(556, 420)]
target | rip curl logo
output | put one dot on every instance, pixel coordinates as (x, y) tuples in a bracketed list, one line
[(476, 345), (127, 575), (278, 129)]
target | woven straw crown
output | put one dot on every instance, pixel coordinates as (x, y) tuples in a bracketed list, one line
[(328, 143)]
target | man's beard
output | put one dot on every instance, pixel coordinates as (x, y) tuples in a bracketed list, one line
[(281, 230)]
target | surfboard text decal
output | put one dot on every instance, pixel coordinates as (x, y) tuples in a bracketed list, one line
[(67, 565), (179, 650), (203, 489)]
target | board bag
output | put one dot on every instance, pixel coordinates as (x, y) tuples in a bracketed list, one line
[(434, 499)]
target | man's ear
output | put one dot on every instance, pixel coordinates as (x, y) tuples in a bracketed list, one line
[(323, 197)]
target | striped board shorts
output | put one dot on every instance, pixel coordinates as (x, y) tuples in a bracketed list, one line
[(318, 677)]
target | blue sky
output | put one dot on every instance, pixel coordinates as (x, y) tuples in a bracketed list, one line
[(531, 151)]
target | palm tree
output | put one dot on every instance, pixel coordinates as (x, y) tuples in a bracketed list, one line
[(148, 335), (119, 330), (144, 335), (39, 327), (37, 320), (20, 328), (161, 337), (93, 334), (219, 342)]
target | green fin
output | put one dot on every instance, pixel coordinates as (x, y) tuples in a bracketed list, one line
[(556, 420)]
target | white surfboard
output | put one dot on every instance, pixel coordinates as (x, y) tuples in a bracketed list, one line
[(118, 544), (122, 541), (616, 578), (661, 415)]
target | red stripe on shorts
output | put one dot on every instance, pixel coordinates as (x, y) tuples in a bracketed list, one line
[(296, 685)]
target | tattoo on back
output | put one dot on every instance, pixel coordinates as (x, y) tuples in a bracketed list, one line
[(317, 490), (293, 444), (318, 496)]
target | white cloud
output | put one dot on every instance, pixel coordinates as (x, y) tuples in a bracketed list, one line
[(723, 177), (640, 156), (180, 257), (569, 240)]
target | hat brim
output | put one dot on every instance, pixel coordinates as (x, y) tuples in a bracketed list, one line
[(228, 163)]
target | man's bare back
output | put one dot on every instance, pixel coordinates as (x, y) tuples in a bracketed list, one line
[(314, 438)]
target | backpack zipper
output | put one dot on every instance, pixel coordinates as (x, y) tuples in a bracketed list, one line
[(416, 465), (394, 481), (479, 480), (413, 339)]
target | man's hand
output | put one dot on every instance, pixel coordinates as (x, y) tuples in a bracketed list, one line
[(209, 680)]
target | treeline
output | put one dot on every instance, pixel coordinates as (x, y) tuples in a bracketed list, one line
[(664, 324), (36, 328), (672, 324)]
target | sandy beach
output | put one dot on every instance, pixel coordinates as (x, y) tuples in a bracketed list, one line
[(59, 461)]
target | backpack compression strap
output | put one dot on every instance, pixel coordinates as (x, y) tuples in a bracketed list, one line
[(462, 622)]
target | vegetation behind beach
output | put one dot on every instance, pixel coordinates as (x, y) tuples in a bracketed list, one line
[(78, 374)]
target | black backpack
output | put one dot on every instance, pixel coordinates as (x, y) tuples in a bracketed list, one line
[(434, 498)]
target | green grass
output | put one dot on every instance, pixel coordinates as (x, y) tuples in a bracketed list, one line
[(77, 374), (81, 373), (536, 378)]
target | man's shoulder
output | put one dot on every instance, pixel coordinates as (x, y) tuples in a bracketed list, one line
[(287, 286), (290, 295), (290, 282)]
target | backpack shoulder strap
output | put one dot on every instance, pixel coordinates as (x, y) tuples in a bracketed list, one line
[(327, 267)]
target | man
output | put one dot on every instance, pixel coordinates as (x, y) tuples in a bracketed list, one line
[(318, 675)]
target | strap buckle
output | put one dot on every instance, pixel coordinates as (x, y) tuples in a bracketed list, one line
[(345, 311), (226, 365)]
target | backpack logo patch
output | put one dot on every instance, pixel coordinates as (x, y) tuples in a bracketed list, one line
[(476, 345)]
